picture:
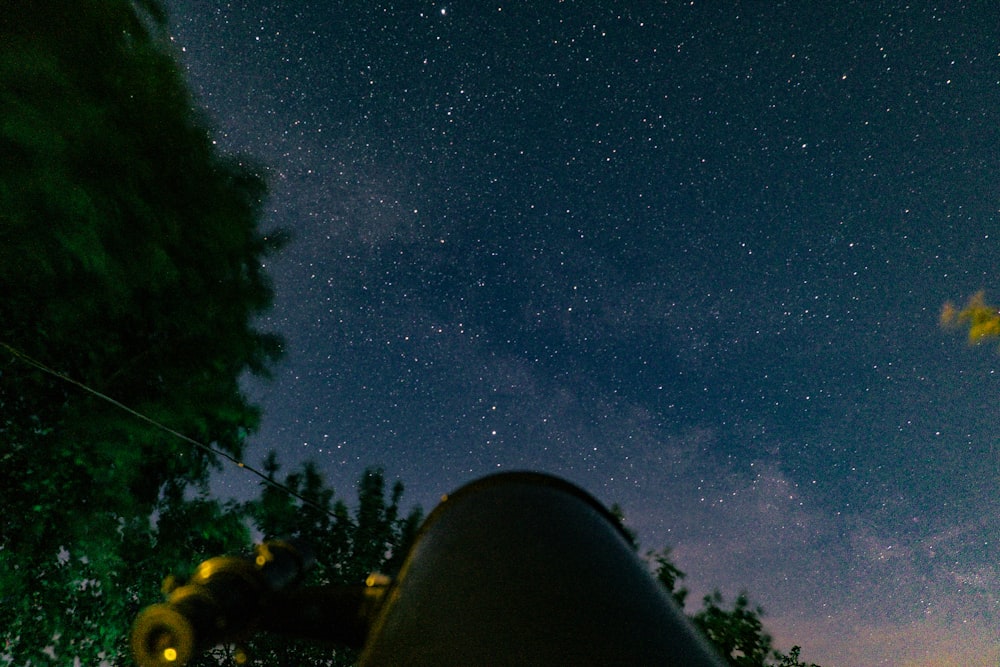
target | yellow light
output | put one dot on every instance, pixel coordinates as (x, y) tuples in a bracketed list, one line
[(170, 654)]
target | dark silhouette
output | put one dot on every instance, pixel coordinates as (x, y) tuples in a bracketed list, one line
[(737, 633)]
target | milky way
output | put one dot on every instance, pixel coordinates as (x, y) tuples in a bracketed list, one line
[(688, 257)]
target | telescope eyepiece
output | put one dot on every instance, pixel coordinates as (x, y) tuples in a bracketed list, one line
[(162, 637)]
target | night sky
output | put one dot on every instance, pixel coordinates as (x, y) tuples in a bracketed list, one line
[(689, 256)]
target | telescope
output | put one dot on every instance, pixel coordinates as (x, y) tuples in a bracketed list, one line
[(513, 569)]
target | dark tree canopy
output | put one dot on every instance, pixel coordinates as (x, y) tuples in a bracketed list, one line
[(347, 545), (737, 633), (131, 261)]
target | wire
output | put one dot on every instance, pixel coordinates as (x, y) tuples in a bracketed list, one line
[(149, 420)]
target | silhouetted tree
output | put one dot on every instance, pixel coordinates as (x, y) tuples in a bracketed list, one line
[(619, 514), (737, 633), (669, 575), (131, 261), (791, 659), (348, 546)]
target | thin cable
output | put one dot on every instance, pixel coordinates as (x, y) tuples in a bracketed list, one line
[(149, 420)]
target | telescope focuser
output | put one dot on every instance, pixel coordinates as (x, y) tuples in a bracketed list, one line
[(226, 599)]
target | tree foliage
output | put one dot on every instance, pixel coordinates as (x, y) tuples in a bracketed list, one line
[(130, 261), (737, 632), (348, 546), (981, 319), (669, 575)]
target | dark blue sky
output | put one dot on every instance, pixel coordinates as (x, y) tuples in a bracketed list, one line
[(687, 255)]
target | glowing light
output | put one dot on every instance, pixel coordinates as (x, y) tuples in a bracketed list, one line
[(170, 654)]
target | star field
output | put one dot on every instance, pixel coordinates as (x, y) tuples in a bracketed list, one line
[(688, 256)]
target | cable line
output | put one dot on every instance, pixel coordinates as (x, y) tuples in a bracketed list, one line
[(18, 354)]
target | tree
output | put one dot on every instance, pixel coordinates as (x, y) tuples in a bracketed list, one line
[(669, 575), (792, 659), (981, 319), (348, 547), (130, 261), (737, 633)]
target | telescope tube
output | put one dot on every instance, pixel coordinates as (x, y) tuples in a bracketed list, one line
[(527, 569)]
